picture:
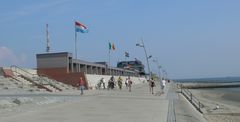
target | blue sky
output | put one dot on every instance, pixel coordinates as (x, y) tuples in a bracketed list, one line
[(191, 39)]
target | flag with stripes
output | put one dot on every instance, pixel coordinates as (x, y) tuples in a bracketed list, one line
[(111, 46), (79, 27)]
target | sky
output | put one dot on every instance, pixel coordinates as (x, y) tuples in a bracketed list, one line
[(190, 39)]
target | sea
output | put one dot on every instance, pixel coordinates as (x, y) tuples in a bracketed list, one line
[(210, 80)]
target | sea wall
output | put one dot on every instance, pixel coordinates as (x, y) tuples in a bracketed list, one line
[(208, 85)]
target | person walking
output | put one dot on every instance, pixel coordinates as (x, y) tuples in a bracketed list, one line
[(129, 84), (152, 85), (81, 85), (163, 85), (120, 82), (103, 81), (126, 83), (111, 83)]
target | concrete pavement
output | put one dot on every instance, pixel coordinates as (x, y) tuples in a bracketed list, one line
[(103, 106)]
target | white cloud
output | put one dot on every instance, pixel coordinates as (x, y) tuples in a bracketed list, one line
[(8, 58)]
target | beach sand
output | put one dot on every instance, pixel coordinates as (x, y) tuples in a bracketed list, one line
[(228, 103)]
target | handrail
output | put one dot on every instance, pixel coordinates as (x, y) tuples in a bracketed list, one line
[(43, 75), (14, 66), (33, 75), (192, 99)]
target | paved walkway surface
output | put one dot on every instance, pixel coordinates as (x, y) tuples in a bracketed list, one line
[(172, 96), (104, 106)]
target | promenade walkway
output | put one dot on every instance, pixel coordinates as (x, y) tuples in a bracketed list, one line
[(104, 106)]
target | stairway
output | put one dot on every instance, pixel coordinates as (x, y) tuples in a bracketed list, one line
[(32, 79)]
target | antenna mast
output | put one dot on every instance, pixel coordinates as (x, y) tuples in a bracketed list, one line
[(47, 34)]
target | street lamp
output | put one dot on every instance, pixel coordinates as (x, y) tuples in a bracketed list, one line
[(147, 57), (159, 67), (140, 45), (165, 74)]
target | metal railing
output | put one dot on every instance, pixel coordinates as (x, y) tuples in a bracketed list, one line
[(50, 81), (28, 75), (21, 72), (34, 78), (191, 98)]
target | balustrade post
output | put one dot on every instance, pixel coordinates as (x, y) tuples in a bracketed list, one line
[(191, 97)]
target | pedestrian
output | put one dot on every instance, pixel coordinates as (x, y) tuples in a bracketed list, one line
[(126, 83), (163, 85), (129, 84), (111, 83), (81, 85), (102, 81), (120, 83), (152, 84)]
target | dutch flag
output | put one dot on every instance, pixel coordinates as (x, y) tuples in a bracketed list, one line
[(80, 27)]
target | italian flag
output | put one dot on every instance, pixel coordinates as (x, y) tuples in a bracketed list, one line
[(111, 46)]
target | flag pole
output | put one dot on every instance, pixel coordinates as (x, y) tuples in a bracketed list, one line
[(48, 41), (109, 61), (125, 60), (125, 64), (75, 43)]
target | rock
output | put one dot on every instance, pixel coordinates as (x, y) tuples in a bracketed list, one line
[(22, 100)]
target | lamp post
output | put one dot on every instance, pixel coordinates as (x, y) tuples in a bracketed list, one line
[(159, 67), (147, 57), (165, 74)]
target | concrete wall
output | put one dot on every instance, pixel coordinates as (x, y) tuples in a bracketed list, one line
[(94, 79), (60, 74), (52, 62), (52, 71)]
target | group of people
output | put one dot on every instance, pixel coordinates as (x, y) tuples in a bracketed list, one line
[(152, 85), (128, 83), (112, 83)]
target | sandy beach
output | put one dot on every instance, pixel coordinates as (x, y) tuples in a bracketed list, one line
[(219, 106)]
